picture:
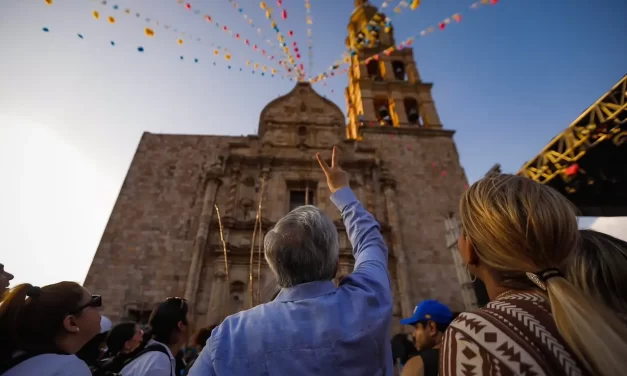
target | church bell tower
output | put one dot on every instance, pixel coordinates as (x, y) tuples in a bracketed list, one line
[(384, 87)]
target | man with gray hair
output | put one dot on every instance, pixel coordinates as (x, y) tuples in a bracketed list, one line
[(313, 327)]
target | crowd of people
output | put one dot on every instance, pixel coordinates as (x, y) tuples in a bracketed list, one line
[(558, 304)]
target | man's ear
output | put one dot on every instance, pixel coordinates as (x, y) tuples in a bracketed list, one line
[(433, 328), (180, 326)]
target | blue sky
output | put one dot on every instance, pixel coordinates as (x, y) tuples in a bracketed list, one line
[(508, 78)]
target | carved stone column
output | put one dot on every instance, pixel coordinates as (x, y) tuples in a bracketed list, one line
[(412, 72), (402, 275), (211, 190), (376, 182), (232, 199), (265, 207), (370, 113), (218, 294)]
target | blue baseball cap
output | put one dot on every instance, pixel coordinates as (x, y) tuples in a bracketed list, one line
[(430, 310)]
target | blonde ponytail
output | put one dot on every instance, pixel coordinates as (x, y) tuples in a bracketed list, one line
[(592, 330)]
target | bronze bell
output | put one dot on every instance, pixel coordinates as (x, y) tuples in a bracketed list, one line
[(383, 112), (412, 115)]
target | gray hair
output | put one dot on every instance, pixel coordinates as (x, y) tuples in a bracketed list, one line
[(302, 247)]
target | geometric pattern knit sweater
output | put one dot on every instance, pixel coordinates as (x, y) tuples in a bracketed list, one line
[(512, 335)]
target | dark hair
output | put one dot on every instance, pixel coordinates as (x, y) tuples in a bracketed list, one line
[(32, 324), (402, 348), (598, 268), (90, 353), (118, 336), (165, 318), (202, 335)]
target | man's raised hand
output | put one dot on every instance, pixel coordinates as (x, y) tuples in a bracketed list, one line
[(336, 177)]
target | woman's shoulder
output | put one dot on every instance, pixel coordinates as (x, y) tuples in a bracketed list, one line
[(517, 316), (517, 330), (51, 364)]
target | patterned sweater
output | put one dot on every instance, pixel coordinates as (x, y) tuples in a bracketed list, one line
[(512, 335)]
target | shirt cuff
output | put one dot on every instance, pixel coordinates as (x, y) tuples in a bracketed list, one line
[(342, 197)]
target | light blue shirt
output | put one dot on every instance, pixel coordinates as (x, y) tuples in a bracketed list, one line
[(50, 365), (315, 328)]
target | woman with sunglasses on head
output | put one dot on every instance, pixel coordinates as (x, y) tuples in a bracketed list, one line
[(170, 328), (42, 328)]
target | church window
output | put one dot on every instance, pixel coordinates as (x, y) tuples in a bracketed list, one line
[(301, 193), (374, 70), (300, 198), (399, 70), (411, 110), (382, 108), (302, 134)]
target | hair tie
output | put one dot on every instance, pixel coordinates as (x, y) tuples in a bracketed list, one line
[(33, 291), (540, 278)]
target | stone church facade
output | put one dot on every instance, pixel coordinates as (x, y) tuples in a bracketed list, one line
[(163, 238)]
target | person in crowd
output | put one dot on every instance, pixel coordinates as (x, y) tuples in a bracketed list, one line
[(599, 268), (123, 343), (169, 327), (42, 328), (124, 338), (313, 327), (516, 236), (198, 343), (430, 320), (403, 349), (5, 281)]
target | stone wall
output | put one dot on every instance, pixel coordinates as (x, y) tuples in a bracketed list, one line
[(163, 240)]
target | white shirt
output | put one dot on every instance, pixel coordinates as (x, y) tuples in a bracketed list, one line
[(153, 363), (50, 365)]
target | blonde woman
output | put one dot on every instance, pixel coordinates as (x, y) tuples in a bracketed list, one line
[(516, 236), (599, 268)]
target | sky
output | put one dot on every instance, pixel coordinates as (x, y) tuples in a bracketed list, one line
[(507, 78)]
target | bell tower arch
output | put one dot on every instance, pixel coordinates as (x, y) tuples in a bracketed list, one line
[(384, 86)]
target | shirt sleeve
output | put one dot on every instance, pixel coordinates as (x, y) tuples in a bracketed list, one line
[(203, 366), (369, 248)]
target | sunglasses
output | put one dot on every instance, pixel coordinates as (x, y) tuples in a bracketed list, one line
[(95, 301)]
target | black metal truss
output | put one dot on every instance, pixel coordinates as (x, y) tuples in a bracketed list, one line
[(604, 121)]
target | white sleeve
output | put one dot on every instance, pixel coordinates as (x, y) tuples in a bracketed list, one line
[(158, 364)]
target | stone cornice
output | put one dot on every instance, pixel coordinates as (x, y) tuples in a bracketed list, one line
[(370, 83), (333, 124), (270, 162), (230, 223), (360, 147), (413, 131)]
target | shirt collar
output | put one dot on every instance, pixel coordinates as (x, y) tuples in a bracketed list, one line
[(308, 290)]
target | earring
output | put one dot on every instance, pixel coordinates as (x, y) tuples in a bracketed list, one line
[(474, 277)]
